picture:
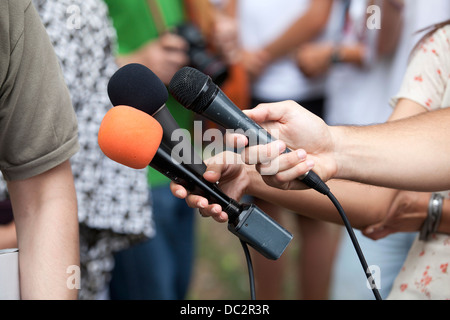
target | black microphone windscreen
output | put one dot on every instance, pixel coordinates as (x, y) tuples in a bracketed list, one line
[(137, 86), (190, 85)]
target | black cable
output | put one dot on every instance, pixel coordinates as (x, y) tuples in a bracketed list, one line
[(352, 237), (250, 270), (355, 243)]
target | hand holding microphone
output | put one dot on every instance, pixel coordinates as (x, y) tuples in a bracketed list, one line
[(298, 128), (196, 91), (238, 179)]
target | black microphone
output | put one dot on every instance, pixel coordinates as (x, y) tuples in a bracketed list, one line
[(197, 92), (137, 86)]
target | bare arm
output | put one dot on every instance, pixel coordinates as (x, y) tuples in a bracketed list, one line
[(392, 25), (45, 212), (304, 29), (314, 58), (8, 237), (411, 153), (364, 204)]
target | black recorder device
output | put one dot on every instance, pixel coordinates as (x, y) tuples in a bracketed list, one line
[(260, 231)]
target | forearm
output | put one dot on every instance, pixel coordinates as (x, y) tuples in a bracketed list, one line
[(45, 212), (303, 30), (363, 204), (353, 54), (391, 27), (411, 154)]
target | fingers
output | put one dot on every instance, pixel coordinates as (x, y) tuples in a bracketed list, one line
[(271, 111), (172, 41), (263, 153), (290, 167), (175, 50), (235, 140), (178, 190), (205, 209), (199, 202), (287, 167), (289, 160), (255, 62), (226, 37), (278, 169), (215, 167)]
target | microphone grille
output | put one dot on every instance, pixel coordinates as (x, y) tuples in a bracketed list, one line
[(189, 85), (137, 86), (129, 136)]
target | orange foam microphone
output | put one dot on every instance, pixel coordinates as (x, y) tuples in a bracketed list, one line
[(129, 136)]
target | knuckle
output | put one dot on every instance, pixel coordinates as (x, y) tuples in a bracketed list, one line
[(299, 169), (279, 178)]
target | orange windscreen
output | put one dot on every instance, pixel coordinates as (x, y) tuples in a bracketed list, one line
[(129, 136)]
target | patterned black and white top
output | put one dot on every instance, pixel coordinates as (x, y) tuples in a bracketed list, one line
[(113, 204)]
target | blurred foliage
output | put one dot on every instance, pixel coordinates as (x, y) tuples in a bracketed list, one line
[(220, 269)]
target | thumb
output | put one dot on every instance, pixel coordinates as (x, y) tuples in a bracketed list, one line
[(267, 112), (171, 41)]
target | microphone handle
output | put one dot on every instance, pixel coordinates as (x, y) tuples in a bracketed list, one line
[(186, 176), (169, 124), (237, 120)]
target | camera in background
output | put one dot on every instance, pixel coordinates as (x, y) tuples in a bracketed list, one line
[(199, 55)]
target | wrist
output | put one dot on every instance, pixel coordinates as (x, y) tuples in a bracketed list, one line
[(335, 55), (434, 214), (444, 225), (337, 151), (265, 56), (256, 184)]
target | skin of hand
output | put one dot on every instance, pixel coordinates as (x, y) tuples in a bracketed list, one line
[(225, 37), (382, 154), (314, 59), (299, 129), (407, 213), (276, 169), (236, 178), (285, 118), (255, 62), (164, 56), (226, 42)]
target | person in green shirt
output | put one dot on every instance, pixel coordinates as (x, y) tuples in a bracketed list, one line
[(159, 268)]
